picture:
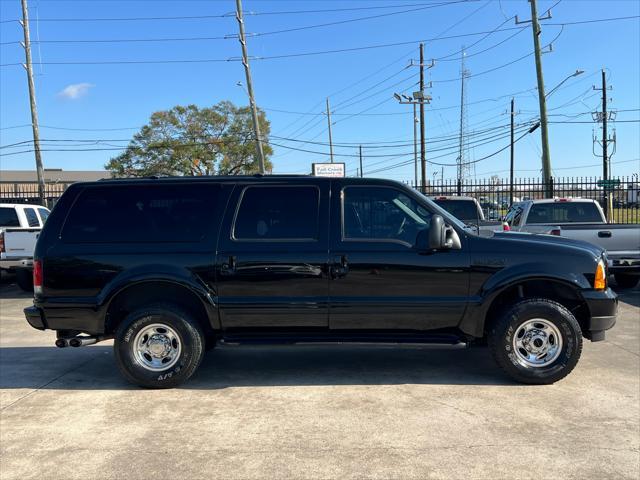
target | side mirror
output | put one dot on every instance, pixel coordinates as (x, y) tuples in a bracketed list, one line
[(441, 236), (437, 233)]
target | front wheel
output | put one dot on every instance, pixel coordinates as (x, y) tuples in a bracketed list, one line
[(159, 346), (536, 341), (625, 280)]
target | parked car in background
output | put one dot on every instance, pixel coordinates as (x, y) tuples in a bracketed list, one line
[(583, 219), (165, 266), (468, 210), (20, 225)]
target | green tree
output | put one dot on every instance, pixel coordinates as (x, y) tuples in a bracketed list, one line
[(188, 140)]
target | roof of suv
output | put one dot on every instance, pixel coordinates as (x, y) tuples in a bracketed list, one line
[(235, 179)]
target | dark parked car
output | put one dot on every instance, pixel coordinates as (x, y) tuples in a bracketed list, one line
[(168, 266)]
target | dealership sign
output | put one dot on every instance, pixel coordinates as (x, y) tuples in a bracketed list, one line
[(328, 169)]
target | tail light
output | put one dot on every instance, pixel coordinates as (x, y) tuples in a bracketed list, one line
[(506, 227), (555, 231), (2, 249), (37, 277), (600, 281)]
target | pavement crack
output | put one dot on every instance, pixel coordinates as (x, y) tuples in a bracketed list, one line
[(622, 348)]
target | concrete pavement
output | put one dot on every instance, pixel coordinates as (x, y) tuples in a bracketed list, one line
[(316, 412)]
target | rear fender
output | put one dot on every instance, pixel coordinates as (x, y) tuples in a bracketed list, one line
[(165, 274)]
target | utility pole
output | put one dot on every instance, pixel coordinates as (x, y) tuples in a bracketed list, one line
[(512, 152), (361, 171), (247, 71), (544, 132), (415, 146), (463, 169), (329, 123), (423, 152), (32, 100), (604, 117), (605, 157), (419, 98)]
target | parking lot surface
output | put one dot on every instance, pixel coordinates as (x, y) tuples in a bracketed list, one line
[(316, 412)]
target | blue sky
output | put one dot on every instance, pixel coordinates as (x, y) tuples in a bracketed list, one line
[(108, 101)]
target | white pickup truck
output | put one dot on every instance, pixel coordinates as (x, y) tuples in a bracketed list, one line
[(583, 219), (20, 225), (469, 210)]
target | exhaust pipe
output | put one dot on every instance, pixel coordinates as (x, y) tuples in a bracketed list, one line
[(81, 341)]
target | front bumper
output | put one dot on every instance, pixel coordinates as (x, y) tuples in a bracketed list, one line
[(603, 308)]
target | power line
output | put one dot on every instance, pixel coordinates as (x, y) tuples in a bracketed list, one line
[(303, 54), (351, 20), (229, 15), (427, 40), (250, 35)]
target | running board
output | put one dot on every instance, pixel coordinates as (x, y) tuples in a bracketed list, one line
[(439, 340)]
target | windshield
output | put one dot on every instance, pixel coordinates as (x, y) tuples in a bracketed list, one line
[(464, 210)]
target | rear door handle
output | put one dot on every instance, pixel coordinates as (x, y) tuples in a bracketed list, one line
[(339, 266), (604, 234)]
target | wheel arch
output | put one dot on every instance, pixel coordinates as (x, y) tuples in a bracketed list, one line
[(553, 288), (492, 301), (153, 290)]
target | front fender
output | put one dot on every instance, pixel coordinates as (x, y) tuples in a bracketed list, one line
[(473, 323), (530, 271)]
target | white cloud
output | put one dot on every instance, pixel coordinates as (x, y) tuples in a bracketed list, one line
[(75, 91)]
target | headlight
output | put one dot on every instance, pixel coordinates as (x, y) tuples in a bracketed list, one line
[(600, 281)]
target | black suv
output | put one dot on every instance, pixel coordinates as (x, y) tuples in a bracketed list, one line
[(168, 266)]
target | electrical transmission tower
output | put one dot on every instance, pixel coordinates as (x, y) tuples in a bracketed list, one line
[(464, 168)]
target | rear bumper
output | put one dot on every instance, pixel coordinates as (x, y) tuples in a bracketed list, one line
[(35, 317), (14, 263), (624, 265), (81, 319), (603, 306)]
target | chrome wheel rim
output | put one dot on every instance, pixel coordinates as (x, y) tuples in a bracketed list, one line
[(537, 343), (157, 347)]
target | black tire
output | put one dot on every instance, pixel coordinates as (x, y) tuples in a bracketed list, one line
[(625, 280), (24, 279), (511, 323), (189, 337)]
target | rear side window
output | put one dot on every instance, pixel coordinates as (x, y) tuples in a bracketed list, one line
[(44, 214), (461, 209), (32, 217), (9, 217), (142, 213), (564, 212), (268, 213)]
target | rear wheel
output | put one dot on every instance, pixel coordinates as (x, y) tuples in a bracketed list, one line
[(159, 346), (625, 280), (536, 341)]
